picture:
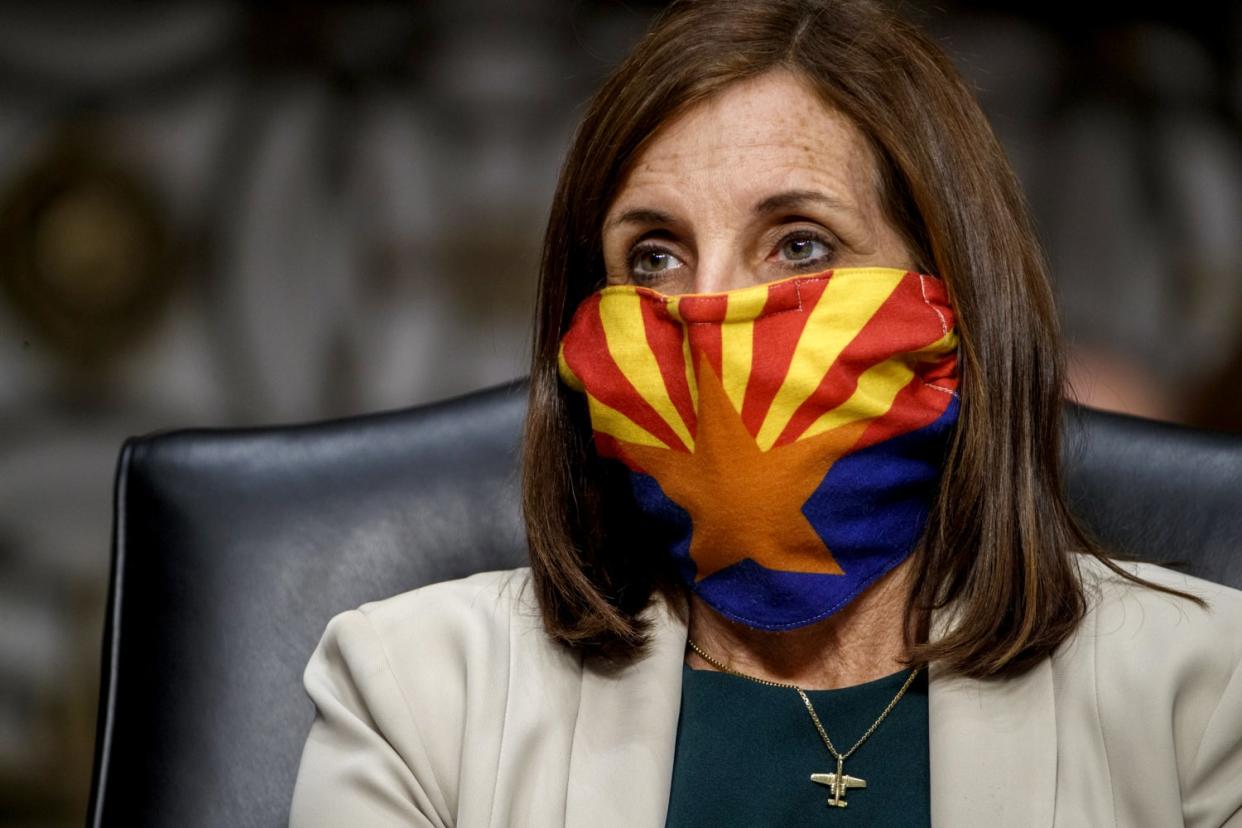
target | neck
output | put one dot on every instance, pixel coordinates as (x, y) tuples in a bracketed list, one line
[(861, 642)]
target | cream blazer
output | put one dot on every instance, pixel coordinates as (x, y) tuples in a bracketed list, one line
[(449, 706)]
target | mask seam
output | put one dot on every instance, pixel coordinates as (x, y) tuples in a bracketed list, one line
[(790, 625), (664, 302), (944, 326), (944, 329)]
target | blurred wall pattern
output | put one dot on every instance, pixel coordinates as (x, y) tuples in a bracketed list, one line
[(221, 214)]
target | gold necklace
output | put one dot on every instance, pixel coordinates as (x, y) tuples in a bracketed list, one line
[(837, 782)]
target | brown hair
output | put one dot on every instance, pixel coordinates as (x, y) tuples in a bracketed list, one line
[(1000, 536)]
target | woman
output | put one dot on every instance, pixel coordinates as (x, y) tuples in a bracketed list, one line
[(799, 550)]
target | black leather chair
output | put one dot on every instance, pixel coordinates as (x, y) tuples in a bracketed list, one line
[(233, 547)]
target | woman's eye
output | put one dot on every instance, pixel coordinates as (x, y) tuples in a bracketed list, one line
[(802, 249), (646, 262)]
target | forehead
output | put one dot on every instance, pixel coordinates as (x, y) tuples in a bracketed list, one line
[(751, 138)]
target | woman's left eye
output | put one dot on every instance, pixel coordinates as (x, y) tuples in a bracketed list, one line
[(801, 249)]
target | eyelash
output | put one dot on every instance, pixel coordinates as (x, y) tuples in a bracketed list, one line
[(798, 235)]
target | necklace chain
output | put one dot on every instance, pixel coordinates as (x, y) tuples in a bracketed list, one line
[(810, 708)]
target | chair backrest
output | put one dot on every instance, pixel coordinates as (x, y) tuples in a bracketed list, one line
[(1158, 491), (231, 550), (233, 547)]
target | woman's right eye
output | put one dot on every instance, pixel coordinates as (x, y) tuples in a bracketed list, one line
[(649, 262)]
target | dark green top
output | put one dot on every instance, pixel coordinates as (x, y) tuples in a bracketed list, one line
[(745, 754)]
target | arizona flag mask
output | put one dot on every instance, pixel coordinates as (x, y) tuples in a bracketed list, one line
[(785, 439)]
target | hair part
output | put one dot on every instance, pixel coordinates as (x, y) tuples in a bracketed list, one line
[(1000, 538)]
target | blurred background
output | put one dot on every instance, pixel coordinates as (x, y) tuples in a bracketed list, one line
[(219, 214)]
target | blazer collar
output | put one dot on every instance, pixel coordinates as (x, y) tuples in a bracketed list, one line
[(992, 743)]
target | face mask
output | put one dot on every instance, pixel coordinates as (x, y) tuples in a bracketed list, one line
[(783, 440)]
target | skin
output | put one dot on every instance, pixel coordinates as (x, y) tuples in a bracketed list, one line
[(684, 221)]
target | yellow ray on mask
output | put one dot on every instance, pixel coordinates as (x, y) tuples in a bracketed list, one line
[(624, 334), (567, 373), (747, 303), (608, 420), (877, 387), (850, 299), (736, 345), (940, 347), (691, 382)]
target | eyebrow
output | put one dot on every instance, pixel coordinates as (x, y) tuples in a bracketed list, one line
[(784, 200), (642, 215), (798, 198)]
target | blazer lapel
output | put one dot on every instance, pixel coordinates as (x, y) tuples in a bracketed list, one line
[(621, 764), (992, 744), (993, 748)]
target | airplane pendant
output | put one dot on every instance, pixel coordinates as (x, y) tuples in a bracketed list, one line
[(838, 783)]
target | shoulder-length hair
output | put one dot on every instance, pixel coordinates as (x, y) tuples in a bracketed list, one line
[(1000, 538)]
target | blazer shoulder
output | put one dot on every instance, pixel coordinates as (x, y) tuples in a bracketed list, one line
[(434, 644), (468, 611), (429, 639), (1147, 646), (392, 682), (1150, 649), (1153, 617)]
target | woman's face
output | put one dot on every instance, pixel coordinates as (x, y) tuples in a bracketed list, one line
[(760, 182)]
